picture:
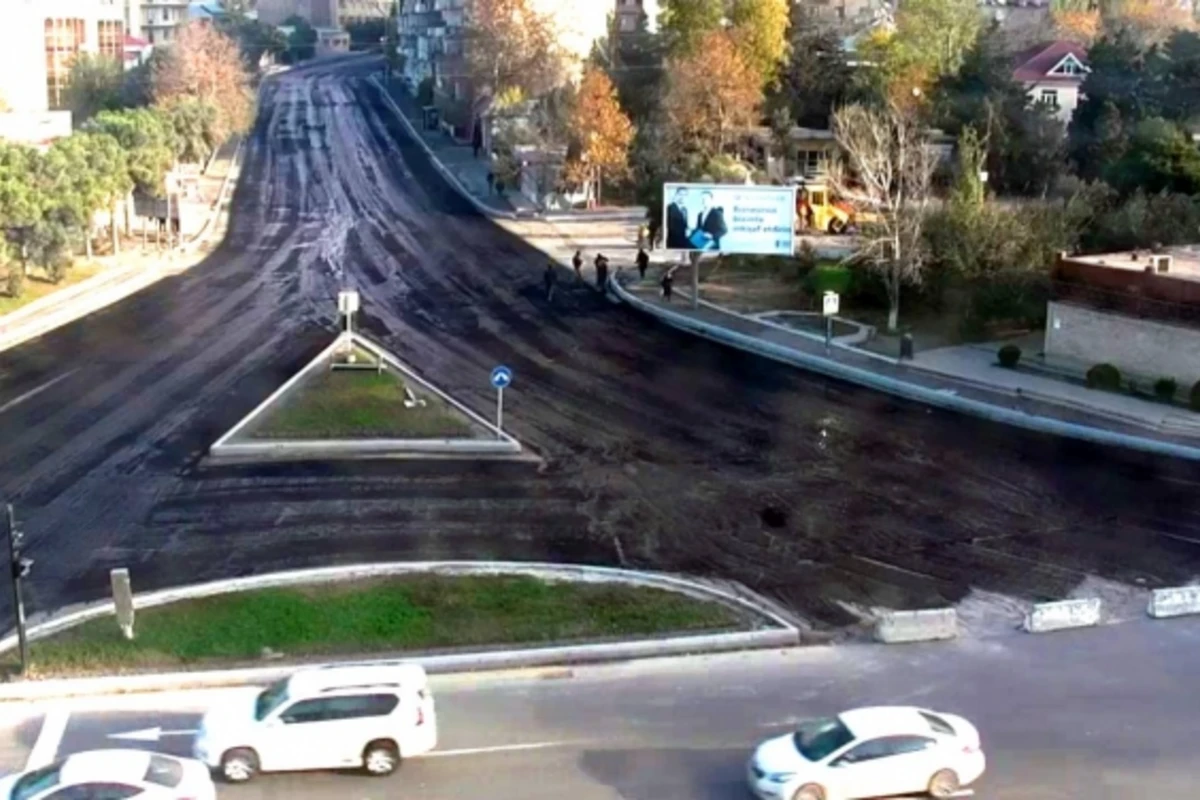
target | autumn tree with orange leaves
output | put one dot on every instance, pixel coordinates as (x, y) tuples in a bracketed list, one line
[(601, 130), (712, 95), (205, 65)]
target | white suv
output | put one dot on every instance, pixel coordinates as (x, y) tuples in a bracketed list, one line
[(369, 716)]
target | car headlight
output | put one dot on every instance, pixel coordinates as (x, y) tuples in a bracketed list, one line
[(780, 777)]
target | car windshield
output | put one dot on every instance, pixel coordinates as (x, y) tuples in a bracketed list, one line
[(815, 740), (164, 771), (36, 782), (270, 699)]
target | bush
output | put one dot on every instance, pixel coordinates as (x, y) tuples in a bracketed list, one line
[(1194, 399), (1165, 388), (829, 278), (1104, 376), (1009, 355), (14, 282)]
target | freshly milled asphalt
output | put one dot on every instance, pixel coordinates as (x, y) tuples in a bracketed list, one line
[(661, 450)]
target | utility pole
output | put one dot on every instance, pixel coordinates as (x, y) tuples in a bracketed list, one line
[(19, 569)]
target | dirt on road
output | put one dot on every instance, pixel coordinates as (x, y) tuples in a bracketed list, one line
[(660, 450)]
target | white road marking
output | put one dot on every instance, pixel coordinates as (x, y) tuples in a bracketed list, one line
[(150, 734), (16, 401), (54, 725), (500, 748)]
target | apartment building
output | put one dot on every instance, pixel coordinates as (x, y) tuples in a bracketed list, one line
[(157, 21), (40, 39), (364, 10)]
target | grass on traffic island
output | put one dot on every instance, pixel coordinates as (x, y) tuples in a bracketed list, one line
[(361, 404), (376, 616)]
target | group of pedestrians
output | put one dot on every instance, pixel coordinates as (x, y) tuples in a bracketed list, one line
[(642, 261)]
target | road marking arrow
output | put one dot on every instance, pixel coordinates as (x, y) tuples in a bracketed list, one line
[(149, 734)]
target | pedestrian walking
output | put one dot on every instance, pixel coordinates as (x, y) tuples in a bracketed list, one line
[(643, 261), (641, 237), (666, 282), (601, 272), (655, 230), (550, 280), (491, 181), (577, 263)]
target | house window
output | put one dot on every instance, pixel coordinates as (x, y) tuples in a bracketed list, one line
[(112, 39), (1069, 66), (64, 39), (1049, 97), (810, 163)]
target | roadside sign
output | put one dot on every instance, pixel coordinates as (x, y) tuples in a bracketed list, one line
[(831, 302), (501, 377), (348, 302)]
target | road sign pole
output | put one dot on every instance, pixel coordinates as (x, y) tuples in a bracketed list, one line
[(828, 334), (500, 411)]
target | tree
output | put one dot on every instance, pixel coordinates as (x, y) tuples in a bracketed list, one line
[(602, 131), (302, 42), (885, 169), (685, 24), (110, 182), (93, 85), (205, 64), (511, 49), (930, 40), (815, 79), (1160, 157), (147, 138), (711, 95), (192, 123), (21, 208), (760, 31)]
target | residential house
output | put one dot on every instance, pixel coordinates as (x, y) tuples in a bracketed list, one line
[(137, 51), (1053, 73), (1139, 311)]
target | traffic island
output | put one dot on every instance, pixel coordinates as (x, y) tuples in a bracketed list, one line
[(356, 400), (397, 615)]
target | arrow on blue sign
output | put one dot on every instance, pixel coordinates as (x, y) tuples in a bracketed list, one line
[(501, 377)]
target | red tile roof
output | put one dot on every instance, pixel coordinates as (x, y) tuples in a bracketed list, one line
[(1032, 65), (134, 43)]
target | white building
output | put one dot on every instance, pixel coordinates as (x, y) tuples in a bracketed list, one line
[(1053, 73)]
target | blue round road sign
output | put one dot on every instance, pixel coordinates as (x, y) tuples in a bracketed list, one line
[(501, 377)]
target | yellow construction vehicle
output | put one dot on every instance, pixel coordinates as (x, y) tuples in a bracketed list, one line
[(818, 211)]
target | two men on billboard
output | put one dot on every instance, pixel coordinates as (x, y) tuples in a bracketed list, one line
[(708, 229)]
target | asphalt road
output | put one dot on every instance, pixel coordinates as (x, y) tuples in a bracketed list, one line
[(660, 450), (1082, 715)]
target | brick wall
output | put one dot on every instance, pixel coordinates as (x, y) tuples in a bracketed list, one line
[(1135, 346)]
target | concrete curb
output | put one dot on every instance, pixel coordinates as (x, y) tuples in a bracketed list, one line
[(224, 449), (931, 625), (777, 630), (1175, 602), (903, 389), (1063, 614)]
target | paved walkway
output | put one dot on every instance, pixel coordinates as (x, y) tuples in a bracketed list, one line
[(970, 377)]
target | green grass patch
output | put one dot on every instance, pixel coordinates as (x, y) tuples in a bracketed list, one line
[(359, 404), (376, 616), (37, 285)]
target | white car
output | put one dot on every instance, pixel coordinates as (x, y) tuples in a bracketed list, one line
[(113, 775), (869, 752), (369, 716)]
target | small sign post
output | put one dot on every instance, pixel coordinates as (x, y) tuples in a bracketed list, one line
[(501, 377), (348, 306), (123, 600), (829, 309)]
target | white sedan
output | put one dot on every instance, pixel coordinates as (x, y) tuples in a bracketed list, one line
[(113, 775), (869, 752)]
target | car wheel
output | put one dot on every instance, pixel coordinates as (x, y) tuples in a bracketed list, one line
[(837, 227), (809, 791), (944, 783), (380, 759), (239, 765)]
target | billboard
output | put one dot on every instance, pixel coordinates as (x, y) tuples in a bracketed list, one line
[(726, 218)]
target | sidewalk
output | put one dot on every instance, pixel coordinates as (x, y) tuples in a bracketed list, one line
[(953, 376), (133, 270)]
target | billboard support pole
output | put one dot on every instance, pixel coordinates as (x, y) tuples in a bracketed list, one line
[(695, 259)]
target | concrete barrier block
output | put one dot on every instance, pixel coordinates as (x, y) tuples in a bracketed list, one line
[(1174, 602), (895, 627), (1063, 614)]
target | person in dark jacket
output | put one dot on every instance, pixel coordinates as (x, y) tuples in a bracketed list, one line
[(710, 225), (577, 263), (643, 261), (601, 271), (677, 222), (550, 279), (667, 284)]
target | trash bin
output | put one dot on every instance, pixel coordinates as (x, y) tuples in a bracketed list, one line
[(906, 347)]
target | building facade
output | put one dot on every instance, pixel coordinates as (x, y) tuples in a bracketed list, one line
[(318, 13), (158, 21), (41, 39), (1053, 74), (630, 14)]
